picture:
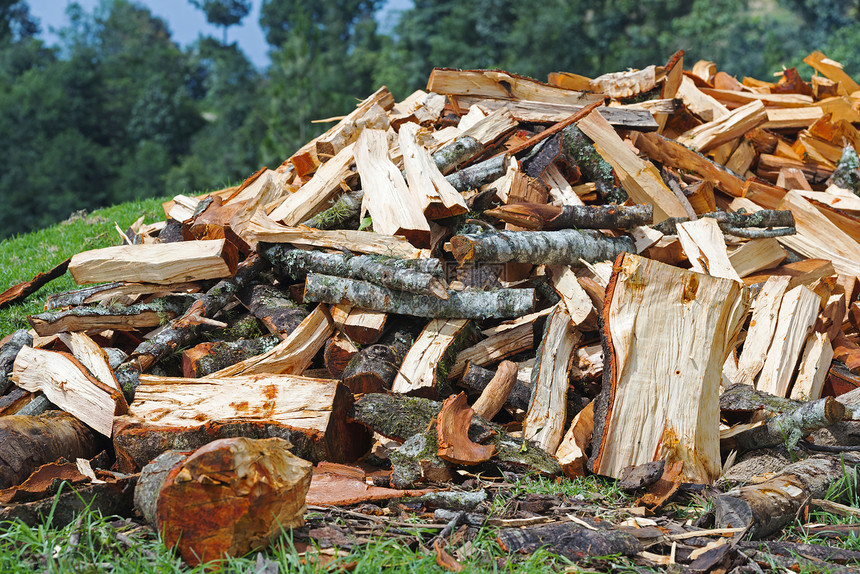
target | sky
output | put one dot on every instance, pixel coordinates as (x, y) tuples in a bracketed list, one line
[(187, 23)]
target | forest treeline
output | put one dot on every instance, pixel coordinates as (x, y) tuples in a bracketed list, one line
[(115, 110)]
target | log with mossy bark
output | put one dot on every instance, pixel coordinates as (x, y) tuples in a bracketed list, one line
[(539, 217), (399, 417), (738, 223), (580, 149), (390, 272), (185, 329), (789, 427), (565, 247), (31, 441), (425, 368), (116, 317), (501, 303), (477, 379), (374, 368), (207, 358), (274, 308), (257, 487)]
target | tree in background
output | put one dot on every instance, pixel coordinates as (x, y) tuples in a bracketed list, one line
[(224, 13)]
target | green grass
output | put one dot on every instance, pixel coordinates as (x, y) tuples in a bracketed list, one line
[(22, 257)]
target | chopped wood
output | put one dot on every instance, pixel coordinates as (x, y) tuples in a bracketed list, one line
[(814, 364), (21, 291), (8, 351), (725, 128), (156, 263), (494, 348), (570, 540), (756, 255), (250, 491), (437, 195), (477, 378), (544, 112), (705, 247), (765, 313), (503, 86), (534, 216), (571, 453), (374, 368), (496, 393), (69, 385), (452, 432), (207, 358), (672, 406), (117, 317), (425, 369)]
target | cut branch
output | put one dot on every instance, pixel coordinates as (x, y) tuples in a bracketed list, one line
[(535, 216)]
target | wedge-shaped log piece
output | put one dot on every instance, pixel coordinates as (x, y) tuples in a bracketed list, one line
[(293, 355), (708, 136), (565, 247), (29, 442), (394, 208), (439, 197), (814, 364), (544, 422), (797, 314), (639, 178), (504, 86), (116, 317), (170, 413), (571, 452), (501, 303), (156, 263), (833, 70), (452, 433), (226, 499), (756, 255), (667, 333), (789, 427), (765, 311), (90, 355), (70, 386), (425, 368), (497, 346), (705, 246), (361, 326)]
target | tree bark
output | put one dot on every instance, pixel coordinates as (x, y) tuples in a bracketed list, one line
[(456, 153), (498, 389), (29, 442), (249, 491), (790, 426), (8, 352), (23, 290), (569, 540), (736, 222), (207, 358), (374, 368), (278, 312), (564, 247), (392, 273), (344, 210), (479, 174), (502, 303), (537, 217), (477, 378)]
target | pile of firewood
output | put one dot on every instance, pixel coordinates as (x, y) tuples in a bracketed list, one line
[(653, 265)]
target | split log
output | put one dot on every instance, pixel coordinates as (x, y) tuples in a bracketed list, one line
[(91, 356), (183, 330), (814, 364), (337, 354), (438, 197), (374, 368), (389, 272), (477, 378), (479, 174), (207, 358), (544, 422), (116, 317), (766, 507), (80, 296), (673, 406), (496, 393), (581, 151), (502, 303), (525, 111), (394, 208), (427, 364), (765, 311), (797, 314), (705, 247), (847, 352), (310, 413), (293, 355), (569, 540), (277, 311), (571, 452), (244, 493), (452, 433), (533, 216), (399, 417), (832, 70), (117, 292), (163, 263), (639, 178), (791, 426), (496, 347), (344, 210), (69, 385), (21, 291), (8, 351), (756, 255), (29, 442), (564, 247)]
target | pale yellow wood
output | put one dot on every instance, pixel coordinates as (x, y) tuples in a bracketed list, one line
[(419, 107), (314, 196), (496, 347), (708, 136), (501, 85), (813, 369), (575, 299), (733, 99), (742, 158), (705, 246), (625, 84), (797, 314), (440, 199), (756, 255), (819, 151), (787, 118), (541, 112), (699, 103), (394, 208), (162, 263), (271, 195), (571, 452), (587, 363), (417, 374), (835, 197), (92, 356), (832, 70), (263, 228), (544, 422), (292, 355), (704, 70), (290, 400), (330, 144), (560, 190), (66, 384), (265, 188), (645, 237), (765, 311), (670, 331), (639, 178), (475, 114), (183, 207)]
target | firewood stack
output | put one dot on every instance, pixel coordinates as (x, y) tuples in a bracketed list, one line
[(590, 262)]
